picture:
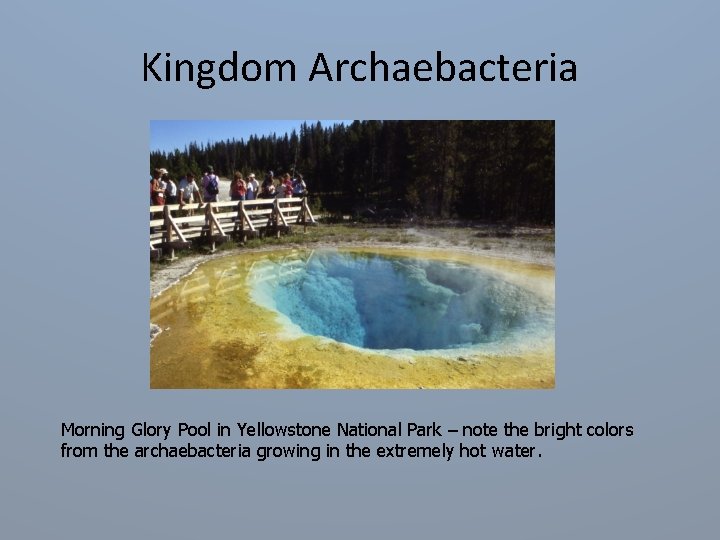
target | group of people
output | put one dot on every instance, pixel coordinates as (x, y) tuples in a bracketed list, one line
[(249, 189), (164, 190)]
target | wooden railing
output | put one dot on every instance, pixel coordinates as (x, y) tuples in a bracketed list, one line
[(174, 226)]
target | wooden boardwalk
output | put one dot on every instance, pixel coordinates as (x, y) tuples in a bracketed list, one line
[(174, 226)]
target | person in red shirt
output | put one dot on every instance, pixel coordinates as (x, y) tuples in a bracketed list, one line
[(157, 192), (286, 186), (238, 188)]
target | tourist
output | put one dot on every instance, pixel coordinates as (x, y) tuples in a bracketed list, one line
[(171, 191), (267, 190), (286, 187), (252, 187), (189, 193), (238, 188), (162, 182), (299, 186), (210, 185), (157, 193)]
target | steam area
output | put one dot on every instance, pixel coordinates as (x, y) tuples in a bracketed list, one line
[(391, 303)]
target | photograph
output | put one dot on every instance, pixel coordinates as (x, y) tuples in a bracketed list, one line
[(352, 254)]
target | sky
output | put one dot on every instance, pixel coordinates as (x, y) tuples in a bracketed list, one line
[(168, 135)]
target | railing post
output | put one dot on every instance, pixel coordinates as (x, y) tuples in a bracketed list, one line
[(209, 225), (168, 231), (276, 217), (303, 214), (241, 219)]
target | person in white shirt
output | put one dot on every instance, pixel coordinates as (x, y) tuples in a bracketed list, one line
[(299, 186), (252, 188), (171, 190), (189, 193)]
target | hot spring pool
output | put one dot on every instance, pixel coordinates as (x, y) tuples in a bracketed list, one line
[(383, 302), (357, 318)]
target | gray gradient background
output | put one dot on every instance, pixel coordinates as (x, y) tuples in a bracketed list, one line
[(637, 293)]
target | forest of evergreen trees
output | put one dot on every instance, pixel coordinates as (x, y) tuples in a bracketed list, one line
[(492, 171)]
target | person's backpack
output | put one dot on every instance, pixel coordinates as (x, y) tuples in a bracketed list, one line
[(212, 185)]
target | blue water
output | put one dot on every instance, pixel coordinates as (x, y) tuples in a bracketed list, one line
[(381, 302)]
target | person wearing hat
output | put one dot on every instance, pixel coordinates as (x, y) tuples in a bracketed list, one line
[(252, 188), (163, 179)]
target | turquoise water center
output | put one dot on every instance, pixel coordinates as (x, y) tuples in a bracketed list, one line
[(386, 302)]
